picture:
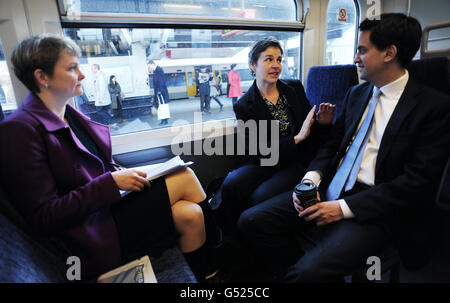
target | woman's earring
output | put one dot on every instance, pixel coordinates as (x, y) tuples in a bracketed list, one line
[(46, 85)]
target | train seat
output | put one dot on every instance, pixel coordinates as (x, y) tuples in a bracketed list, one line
[(22, 257), (433, 72), (132, 107), (26, 258), (330, 84)]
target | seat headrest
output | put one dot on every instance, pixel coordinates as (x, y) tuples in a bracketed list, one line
[(432, 72), (330, 83)]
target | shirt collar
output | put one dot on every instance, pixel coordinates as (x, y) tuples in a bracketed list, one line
[(394, 89)]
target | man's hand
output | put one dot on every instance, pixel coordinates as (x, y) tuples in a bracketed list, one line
[(323, 213), (297, 203)]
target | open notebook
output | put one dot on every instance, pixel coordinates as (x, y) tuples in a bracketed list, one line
[(154, 171)]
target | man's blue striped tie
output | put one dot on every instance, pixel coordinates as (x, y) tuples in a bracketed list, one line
[(349, 169)]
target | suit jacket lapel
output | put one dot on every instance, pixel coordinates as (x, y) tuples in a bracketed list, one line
[(257, 104), (357, 111), (405, 105)]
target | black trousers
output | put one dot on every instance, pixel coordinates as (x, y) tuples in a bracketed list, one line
[(292, 250), (251, 184)]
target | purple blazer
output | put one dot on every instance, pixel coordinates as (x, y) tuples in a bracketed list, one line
[(62, 190)]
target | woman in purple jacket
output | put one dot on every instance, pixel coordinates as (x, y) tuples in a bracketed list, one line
[(58, 169)]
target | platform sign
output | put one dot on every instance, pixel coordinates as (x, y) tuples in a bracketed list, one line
[(342, 15)]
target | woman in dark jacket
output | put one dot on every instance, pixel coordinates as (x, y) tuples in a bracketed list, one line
[(116, 98), (273, 115)]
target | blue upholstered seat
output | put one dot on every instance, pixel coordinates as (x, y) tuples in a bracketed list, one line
[(24, 260), (330, 84)]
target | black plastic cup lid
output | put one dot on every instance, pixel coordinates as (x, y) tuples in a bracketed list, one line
[(305, 188)]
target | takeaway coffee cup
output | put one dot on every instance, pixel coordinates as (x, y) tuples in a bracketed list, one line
[(306, 193)]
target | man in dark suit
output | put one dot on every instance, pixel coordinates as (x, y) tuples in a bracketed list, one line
[(378, 172), (159, 85)]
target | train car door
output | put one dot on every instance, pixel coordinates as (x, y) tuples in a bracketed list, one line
[(176, 82), (191, 83)]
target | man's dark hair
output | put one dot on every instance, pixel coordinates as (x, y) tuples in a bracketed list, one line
[(260, 46), (395, 29)]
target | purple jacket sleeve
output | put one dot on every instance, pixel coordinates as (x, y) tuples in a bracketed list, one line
[(41, 188)]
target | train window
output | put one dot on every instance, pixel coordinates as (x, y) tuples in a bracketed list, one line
[(342, 18), (236, 9), (245, 74), (169, 48), (7, 98), (439, 39), (179, 53)]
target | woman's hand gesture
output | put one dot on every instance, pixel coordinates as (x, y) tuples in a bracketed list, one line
[(326, 113), (306, 127)]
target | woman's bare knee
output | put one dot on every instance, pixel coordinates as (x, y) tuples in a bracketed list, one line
[(188, 217), (184, 185)]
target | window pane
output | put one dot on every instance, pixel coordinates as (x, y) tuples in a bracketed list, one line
[(284, 10), (439, 39), (124, 53), (7, 98), (341, 21)]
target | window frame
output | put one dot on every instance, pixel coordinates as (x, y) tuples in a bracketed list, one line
[(163, 137), (357, 20)]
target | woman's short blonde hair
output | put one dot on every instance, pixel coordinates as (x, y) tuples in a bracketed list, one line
[(40, 52)]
